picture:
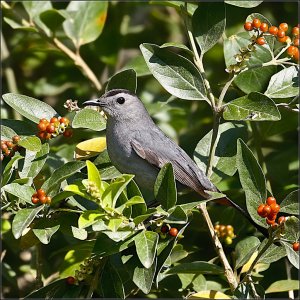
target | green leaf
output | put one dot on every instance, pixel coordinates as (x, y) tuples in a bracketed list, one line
[(79, 189), (79, 233), (134, 200), (139, 219), (244, 250), (143, 277), (85, 21), (208, 24), (123, 80), (257, 78), (165, 187), (291, 229), (245, 4), (7, 133), (60, 174), (284, 84), (25, 127), (89, 118), (89, 217), (112, 193), (174, 72), (252, 107), (9, 168), (272, 254), (52, 18), (23, 192), (31, 143), (94, 175), (283, 286), (224, 163), (293, 256), (35, 8), (290, 204), (177, 216), (34, 161), (252, 180), (30, 108), (146, 245), (114, 224), (23, 219), (191, 7), (196, 267), (45, 234)]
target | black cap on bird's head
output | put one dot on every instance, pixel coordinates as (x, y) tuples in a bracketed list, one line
[(118, 104)]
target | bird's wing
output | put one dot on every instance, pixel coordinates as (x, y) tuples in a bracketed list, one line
[(162, 150)]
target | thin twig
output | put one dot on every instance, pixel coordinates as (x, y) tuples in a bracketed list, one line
[(288, 267), (218, 246)]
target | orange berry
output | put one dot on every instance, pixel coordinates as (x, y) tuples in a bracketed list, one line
[(40, 193), (173, 231), (53, 120), (48, 200), (16, 139), (275, 208), (273, 30), (284, 26), (281, 220), (42, 135), (50, 128), (44, 121), (296, 56), (291, 51), (264, 27), (296, 41), (270, 222), (64, 120), (4, 147), (280, 33), (285, 39), (35, 200), (266, 210), (229, 227), (248, 26), (296, 246), (256, 23), (42, 126), (295, 30), (271, 200), (260, 210), (43, 199), (260, 41), (9, 144), (68, 132)]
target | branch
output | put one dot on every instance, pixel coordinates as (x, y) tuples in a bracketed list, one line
[(39, 262)]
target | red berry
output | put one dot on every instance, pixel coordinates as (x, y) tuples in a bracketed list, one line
[(260, 210), (275, 208), (53, 120), (42, 126), (70, 280), (273, 30), (256, 23), (164, 228), (9, 144), (248, 26), (64, 120), (270, 222), (45, 121), (284, 26), (68, 132), (296, 56), (40, 193), (264, 27), (291, 51), (272, 216), (285, 39), (295, 30), (43, 199), (281, 220), (260, 41), (173, 231), (296, 246), (271, 200), (16, 139), (4, 147), (50, 128), (296, 42), (280, 33), (266, 210), (48, 200), (35, 200)]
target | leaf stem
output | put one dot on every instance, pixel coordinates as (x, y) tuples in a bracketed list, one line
[(218, 246)]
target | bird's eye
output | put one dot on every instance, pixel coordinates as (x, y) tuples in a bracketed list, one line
[(120, 100)]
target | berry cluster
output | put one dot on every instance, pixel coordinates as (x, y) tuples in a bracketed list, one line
[(225, 232), (53, 128), (86, 269), (269, 210), (166, 228), (262, 29), (40, 196), (8, 148)]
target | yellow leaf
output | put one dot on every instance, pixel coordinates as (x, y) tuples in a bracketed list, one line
[(247, 265), (209, 294), (90, 148)]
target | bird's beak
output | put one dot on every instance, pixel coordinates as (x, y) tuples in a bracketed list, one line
[(95, 102)]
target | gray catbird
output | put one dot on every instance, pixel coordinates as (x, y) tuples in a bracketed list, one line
[(137, 146)]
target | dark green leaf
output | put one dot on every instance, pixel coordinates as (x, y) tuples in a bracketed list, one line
[(28, 107), (139, 219), (9, 168), (31, 143), (284, 84), (191, 7), (283, 286), (177, 216), (244, 250), (23, 192), (290, 204), (293, 256), (174, 72), (7, 133), (89, 118), (123, 80), (146, 245), (20, 127), (224, 164), (196, 267), (23, 219), (208, 24), (245, 4), (291, 229), (52, 18), (165, 188), (252, 180), (272, 254), (85, 21), (252, 107), (45, 234)]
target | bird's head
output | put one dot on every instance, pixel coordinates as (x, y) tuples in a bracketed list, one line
[(119, 104)]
